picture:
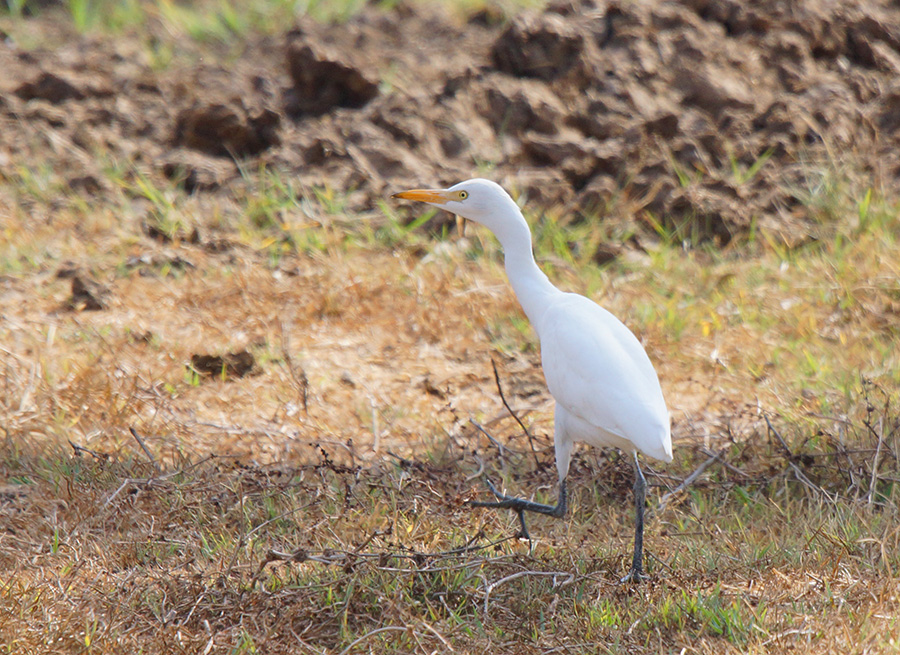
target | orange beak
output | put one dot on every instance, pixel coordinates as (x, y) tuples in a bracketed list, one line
[(437, 196)]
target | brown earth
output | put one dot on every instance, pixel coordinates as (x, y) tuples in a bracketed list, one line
[(576, 107), (579, 108)]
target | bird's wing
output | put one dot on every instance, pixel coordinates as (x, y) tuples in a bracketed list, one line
[(598, 370)]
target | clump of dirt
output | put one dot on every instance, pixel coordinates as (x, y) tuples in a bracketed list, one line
[(87, 295), (228, 366), (226, 128), (544, 46), (323, 78), (669, 105)]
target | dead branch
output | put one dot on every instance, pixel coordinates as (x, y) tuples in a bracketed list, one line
[(81, 449), (143, 446), (772, 430), (513, 414), (488, 588), (800, 475), (874, 480), (689, 480), (386, 628), (297, 373), (500, 447)]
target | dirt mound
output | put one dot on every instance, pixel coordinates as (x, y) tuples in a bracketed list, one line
[(696, 111)]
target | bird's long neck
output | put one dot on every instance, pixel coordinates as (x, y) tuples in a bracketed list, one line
[(533, 289)]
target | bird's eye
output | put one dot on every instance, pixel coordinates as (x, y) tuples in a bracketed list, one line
[(463, 195)]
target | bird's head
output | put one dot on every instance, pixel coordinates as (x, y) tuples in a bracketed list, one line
[(478, 200)]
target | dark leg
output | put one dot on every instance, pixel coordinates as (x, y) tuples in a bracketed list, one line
[(636, 574), (521, 505)]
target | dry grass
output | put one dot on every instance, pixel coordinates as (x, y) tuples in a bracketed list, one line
[(769, 552), (271, 518)]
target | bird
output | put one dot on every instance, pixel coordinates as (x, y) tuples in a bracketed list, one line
[(606, 390)]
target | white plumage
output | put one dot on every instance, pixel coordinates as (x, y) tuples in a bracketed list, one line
[(598, 372), (606, 390)]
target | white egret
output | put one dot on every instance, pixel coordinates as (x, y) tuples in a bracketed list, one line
[(606, 390)]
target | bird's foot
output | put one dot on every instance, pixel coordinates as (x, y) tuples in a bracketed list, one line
[(503, 501), (521, 505), (497, 494), (635, 576)]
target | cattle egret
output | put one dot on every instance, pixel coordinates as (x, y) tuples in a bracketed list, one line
[(606, 390)]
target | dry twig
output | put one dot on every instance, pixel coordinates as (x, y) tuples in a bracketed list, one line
[(387, 628), (143, 446), (689, 480), (800, 475), (488, 588), (297, 373), (510, 410)]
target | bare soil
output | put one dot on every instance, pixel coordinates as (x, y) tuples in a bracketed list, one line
[(702, 118), (580, 106)]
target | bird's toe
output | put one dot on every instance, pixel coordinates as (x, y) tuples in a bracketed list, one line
[(497, 494), (635, 576)]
